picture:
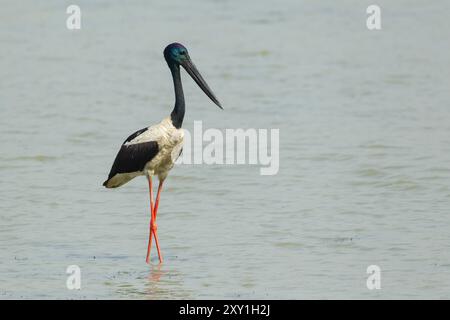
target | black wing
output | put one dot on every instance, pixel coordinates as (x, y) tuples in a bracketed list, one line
[(133, 157)]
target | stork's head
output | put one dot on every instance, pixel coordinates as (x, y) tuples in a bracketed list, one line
[(176, 54)]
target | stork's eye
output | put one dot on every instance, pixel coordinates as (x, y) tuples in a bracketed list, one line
[(182, 52)]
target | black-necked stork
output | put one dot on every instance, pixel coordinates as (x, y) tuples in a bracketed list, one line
[(152, 151)]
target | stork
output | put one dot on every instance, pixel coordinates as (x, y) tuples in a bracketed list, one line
[(152, 151)]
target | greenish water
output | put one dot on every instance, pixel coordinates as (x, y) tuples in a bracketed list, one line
[(364, 173)]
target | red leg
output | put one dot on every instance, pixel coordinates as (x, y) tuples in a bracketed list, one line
[(157, 197), (155, 212), (150, 186)]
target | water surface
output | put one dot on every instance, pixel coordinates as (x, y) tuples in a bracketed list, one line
[(364, 173)]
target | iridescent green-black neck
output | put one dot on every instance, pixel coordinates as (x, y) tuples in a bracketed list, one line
[(178, 111)]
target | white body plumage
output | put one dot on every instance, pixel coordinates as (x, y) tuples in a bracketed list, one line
[(170, 143)]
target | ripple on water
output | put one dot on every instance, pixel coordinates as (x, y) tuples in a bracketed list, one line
[(369, 172), (35, 158)]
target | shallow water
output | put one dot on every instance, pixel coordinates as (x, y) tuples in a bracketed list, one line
[(364, 173)]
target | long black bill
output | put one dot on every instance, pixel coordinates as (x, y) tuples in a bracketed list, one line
[(193, 72)]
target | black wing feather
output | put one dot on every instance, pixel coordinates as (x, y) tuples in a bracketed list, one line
[(133, 157), (134, 135)]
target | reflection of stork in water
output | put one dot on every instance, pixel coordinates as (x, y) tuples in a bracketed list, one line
[(153, 150), (156, 285)]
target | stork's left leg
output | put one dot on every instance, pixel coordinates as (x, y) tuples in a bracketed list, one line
[(155, 212), (157, 196), (153, 226)]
